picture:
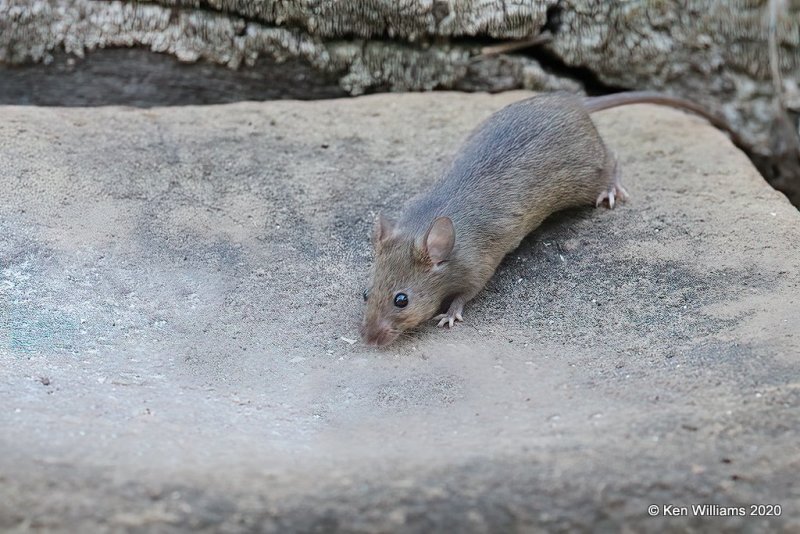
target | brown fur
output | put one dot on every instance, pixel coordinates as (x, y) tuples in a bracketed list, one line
[(525, 162)]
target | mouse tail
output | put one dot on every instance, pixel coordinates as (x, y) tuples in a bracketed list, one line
[(599, 103)]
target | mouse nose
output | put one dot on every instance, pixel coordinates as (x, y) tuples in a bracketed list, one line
[(377, 333)]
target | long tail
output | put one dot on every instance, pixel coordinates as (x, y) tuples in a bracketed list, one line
[(599, 103)]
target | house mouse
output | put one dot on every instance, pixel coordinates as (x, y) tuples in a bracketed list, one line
[(530, 159)]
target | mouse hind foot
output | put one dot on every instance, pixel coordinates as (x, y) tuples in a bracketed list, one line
[(614, 191), (612, 194)]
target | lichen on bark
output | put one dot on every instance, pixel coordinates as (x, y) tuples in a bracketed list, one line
[(711, 51)]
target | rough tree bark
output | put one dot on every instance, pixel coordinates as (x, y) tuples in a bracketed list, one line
[(713, 51)]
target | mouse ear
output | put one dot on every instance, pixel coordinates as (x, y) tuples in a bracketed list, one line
[(383, 229), (439, 240)]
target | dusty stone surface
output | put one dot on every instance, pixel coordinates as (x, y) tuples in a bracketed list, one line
[(179, 288)]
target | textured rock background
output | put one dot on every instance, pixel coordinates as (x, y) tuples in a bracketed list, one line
[(178, 287), (713, 51)]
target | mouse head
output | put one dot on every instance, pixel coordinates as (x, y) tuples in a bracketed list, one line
[(408, 278)]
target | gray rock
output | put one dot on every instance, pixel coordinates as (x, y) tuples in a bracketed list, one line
[(178, 287)]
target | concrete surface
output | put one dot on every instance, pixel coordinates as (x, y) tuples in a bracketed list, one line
[(180, 287)]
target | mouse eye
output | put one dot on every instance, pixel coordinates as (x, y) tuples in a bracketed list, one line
[(366, 295), (401, 300)]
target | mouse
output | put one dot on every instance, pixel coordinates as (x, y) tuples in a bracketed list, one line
[(523, 163)]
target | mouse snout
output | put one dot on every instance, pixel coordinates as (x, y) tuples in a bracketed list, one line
[(378, 333)]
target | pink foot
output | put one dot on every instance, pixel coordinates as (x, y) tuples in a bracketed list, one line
[(615, 190)]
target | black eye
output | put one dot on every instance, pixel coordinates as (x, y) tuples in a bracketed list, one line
[(366, 294), (401, 300)]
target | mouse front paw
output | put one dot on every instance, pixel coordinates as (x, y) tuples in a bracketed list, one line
[(453, 314), (447, 319)]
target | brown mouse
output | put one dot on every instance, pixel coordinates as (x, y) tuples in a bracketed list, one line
[(528, 160)]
